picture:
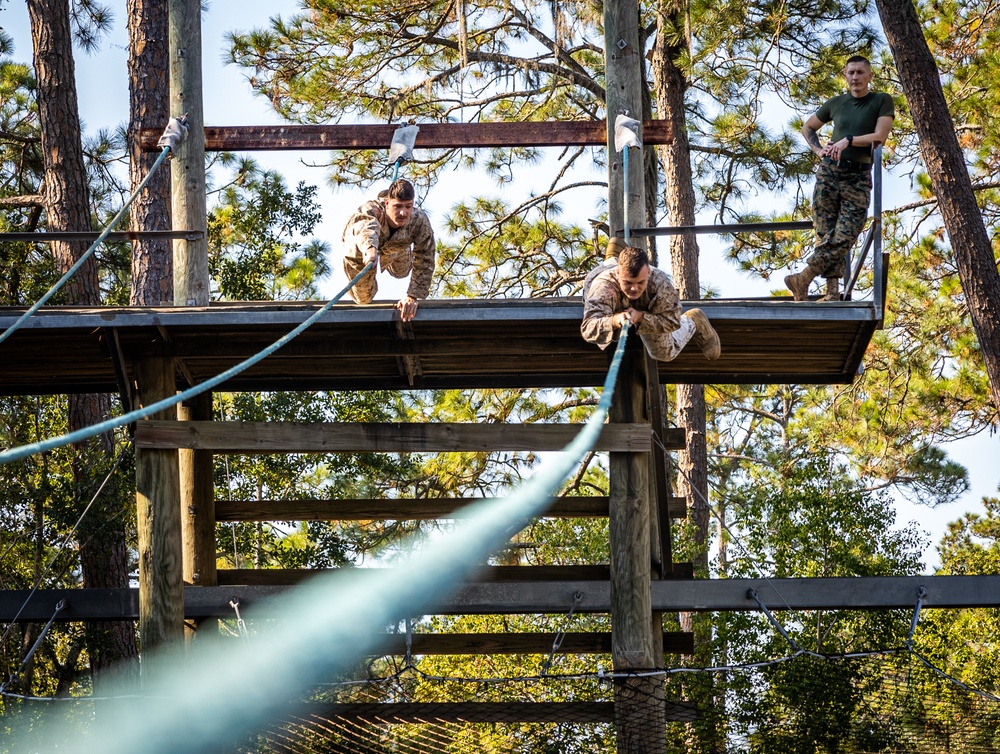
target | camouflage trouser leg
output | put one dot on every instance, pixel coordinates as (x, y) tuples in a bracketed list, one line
[(666, 346), (365, 289), (840, 208), (399, 265)]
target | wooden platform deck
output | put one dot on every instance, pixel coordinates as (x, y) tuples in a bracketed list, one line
[(451, 344)]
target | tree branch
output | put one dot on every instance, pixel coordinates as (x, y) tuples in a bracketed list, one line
[(25, 200)]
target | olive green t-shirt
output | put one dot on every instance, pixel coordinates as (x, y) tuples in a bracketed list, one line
[(855, 115)]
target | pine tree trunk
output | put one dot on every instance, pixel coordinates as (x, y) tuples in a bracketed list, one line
[(680, 200), (949, 175), (149, 107), (670, 86), (103, 555)]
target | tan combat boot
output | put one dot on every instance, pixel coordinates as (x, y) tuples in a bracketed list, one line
[(614, 248), (798, 283), (832, 290), (704, 336)]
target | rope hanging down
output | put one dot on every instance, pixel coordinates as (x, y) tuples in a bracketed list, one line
[(62, 545), (60, 606), (401, 147), (216, 695), (16, 454), (626, 137), (170, 140)]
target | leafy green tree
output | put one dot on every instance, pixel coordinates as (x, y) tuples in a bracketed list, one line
[(253, 228), (937, 714), (29, 109), (720, 71)]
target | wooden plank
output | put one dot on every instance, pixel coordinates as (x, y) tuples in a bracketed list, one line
[(388, 437), (475, 712), (659, 482), (674, 642), (431, 136), (511, 598), (402, 509), (351, 347), (628, 524), (485, 574), (158, 522), (197, 490), (290, 576)]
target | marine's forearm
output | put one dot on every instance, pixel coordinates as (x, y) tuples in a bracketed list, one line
[(812, 138)]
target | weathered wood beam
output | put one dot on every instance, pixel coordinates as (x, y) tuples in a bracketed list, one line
[(402, 509), (432, 136), (639, 701), (674, 642), (474, 712), (197, 500), (391, 437), (485, 574), (158, 522), (510, 598), (661, 540)]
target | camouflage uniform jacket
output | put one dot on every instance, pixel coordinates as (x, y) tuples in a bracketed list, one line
[(369, 227), (603, 298)]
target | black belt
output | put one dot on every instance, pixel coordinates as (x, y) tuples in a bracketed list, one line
[(849, 165)]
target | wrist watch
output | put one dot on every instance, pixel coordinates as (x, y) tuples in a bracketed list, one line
[(850, 139)]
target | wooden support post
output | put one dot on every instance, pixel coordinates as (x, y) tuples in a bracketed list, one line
[(623, 73), (639, 703), (659, 461), (197, 505), (191, 280), (161, 586), (192, 285)]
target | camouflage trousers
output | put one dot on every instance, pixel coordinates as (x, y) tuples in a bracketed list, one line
[(840, 208), (398, 265), (667, 346)]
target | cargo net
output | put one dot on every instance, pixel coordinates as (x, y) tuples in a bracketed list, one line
[(890, 701)]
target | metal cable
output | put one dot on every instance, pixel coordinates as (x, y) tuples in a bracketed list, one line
[(86, 255), (60, 605), (61, 545), (730, 532), (561, 634), (16, 454)]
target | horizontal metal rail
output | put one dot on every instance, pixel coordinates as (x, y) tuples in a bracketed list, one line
[(90, 235), (432, 135), (873, 238), (676, 230)]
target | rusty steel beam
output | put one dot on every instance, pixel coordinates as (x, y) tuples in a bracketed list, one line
[(432, 136), (91, 235)]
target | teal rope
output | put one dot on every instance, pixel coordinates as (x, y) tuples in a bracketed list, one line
[(16, 454), (217, 695), (79, 263), (533, 498), (395, 171), (628, 230)]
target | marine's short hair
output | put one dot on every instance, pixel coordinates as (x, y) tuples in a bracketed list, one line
[(632, 259), (400, 189), (858, 59)]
